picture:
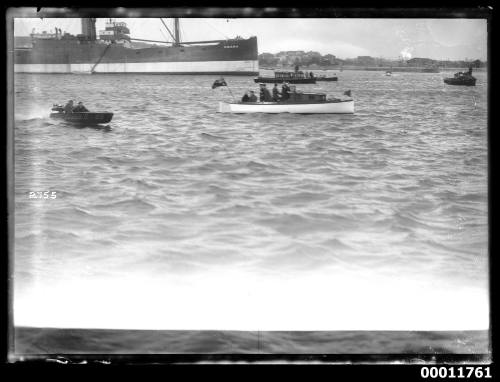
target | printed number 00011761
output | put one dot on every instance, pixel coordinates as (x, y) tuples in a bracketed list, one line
[(455, 372)]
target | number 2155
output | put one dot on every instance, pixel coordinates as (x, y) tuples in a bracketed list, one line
[(42, 194)]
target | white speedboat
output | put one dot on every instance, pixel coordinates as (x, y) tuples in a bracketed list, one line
[(299, 103)]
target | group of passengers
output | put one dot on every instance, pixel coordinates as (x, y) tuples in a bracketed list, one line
[(266, 96), (70, 108)]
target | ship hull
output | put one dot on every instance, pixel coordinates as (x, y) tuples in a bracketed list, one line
[(59, 56), (201, 67)]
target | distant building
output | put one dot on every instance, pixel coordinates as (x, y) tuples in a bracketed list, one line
[(420, 62), (268, 59), (366, 60), (478, 64), (291, 57), (329, 59)]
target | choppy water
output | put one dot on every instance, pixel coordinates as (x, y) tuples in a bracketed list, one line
[(176, 217)]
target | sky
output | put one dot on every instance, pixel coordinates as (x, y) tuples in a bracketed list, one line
[(453, 39)]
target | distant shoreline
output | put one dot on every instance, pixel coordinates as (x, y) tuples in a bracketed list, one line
[(378, 68)]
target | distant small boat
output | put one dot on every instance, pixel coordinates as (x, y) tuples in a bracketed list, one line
[(462, 78), (298, 103), (388, 73), (87, 118)]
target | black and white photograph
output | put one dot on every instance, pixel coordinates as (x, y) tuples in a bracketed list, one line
[(243, 181)]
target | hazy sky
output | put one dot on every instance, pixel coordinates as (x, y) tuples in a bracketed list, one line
[(452, 39)]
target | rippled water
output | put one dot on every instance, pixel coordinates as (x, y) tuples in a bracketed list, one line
[(177, 217)]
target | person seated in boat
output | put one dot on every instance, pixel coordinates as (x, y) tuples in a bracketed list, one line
[(69, 107), (245, 97), (285, 91), (276, 93), (80, 108), (311, 74), (265, 95), (253, 97)]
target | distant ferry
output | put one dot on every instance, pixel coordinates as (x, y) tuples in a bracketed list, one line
[(113, 52), (297, 77)]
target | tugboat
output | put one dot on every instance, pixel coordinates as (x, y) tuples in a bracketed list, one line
[(462, 78), (298, 102), (87, 118)]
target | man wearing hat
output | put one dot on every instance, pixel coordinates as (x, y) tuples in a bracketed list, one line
[(276, 93), (265, 95), (80, 108), (285, 90), (69, 107), (252, 97)]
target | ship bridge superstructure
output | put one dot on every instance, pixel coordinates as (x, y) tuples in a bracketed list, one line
[(115, 32)]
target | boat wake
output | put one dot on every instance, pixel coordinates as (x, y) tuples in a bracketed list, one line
[(33, 112)]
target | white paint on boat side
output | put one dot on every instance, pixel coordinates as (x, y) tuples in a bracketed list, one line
[(143, 67), (346, 107)]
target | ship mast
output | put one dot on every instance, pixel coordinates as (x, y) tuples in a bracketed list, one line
[(177, 40)]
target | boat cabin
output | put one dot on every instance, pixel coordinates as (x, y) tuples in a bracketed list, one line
[(306, 97), (289, 75)]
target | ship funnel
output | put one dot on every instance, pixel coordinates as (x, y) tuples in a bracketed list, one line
[(88, 29)]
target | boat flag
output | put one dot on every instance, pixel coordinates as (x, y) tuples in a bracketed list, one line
[(347, 93), (220, 82)]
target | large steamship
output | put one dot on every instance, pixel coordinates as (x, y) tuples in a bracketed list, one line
[(112, 51)]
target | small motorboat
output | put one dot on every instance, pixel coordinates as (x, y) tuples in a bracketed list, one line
[(388, 73), (462, 78), (87, 118), (298, 103)]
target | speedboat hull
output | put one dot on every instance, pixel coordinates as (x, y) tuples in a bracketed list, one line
[(329, 107), (84, 118)]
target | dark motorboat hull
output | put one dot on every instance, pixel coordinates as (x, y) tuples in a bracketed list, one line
[(462, 82), (326, 78), (273, 80), (84, 118)]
